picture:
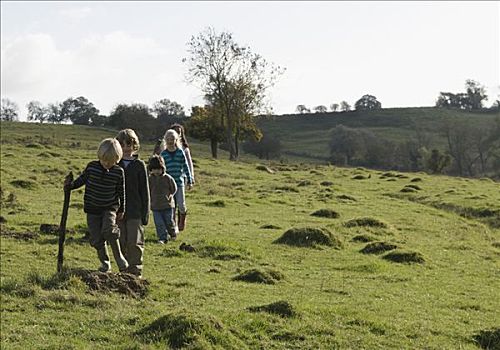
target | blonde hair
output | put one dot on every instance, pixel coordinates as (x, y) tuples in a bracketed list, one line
[(171, 132), (129, 137), (110, 150)]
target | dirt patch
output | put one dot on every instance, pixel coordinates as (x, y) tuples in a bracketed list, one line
[(25, 236), (2, 220), (270, 227), (326, 213), (416, 179), (309, 237), (405, 257), (346, 197), (364, 238), (123, 283), (378, 248), (282, 308), (187, 248), (49, 229), (408, 190), (361, 177), (26, 184), (187, 330), (257, 276), (415, 187), (218, 203), (326, 183), (365, 221), (488, 339)]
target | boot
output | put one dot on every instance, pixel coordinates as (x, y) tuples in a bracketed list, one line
[(182, 221), (102, 254), (117, 253)]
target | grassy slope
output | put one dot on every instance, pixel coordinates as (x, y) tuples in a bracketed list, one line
[(299, 135), (343, 299)]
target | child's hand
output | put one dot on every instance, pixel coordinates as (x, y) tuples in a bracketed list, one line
[(119, 216), (67, 185), (190, 187)]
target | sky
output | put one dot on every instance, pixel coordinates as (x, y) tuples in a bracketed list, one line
[(404, 53)]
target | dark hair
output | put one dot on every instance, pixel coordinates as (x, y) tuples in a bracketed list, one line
[(182, 134), (156, 162)]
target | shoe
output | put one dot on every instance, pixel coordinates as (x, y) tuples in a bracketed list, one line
[(104, 268), (161, 241)]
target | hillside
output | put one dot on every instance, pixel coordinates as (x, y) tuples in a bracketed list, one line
[(307, 136), (296, 256)]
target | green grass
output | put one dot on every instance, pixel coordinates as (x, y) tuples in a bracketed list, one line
[(321, 297)]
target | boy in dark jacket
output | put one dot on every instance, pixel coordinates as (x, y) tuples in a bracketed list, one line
[(104, 202), (137, 194)]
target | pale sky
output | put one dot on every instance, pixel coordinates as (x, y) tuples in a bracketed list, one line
[(404, 53)]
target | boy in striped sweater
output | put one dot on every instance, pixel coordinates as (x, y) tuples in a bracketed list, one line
[(178, 168), (104, 202)]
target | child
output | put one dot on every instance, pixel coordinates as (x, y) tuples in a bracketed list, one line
[(178, 168), (163, 188), (137, 194), (104, 202)]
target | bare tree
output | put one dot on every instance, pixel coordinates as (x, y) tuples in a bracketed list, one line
[(9, 111)]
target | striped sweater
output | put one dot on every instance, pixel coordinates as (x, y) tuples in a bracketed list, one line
[(104, 189), (177, 166)]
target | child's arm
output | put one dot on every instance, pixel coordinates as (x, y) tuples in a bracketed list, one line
[(187, 152), (185, 168), (79, 182), (144, 193), (120, 189)]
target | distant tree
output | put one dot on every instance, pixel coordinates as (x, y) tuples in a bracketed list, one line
[(345, 144), (99, 120), (334, 107), (266, 148), (79, 110), (54, 114), (135, 116), (344, 106), (472, 99), (36, 112), (320, 109), (302, 109), (476, 94), (437, 161), (234, 80), (367, 102), (167, 108), (9, 110), (206, 125)]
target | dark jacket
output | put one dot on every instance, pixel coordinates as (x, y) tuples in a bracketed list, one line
[(136, 190)]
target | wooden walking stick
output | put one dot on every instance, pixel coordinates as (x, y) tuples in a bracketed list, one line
[(64, 217)]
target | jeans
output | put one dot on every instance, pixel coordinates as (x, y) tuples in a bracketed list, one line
[(164, 223)]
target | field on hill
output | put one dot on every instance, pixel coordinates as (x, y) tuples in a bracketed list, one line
[(306, 137), (286, 256)]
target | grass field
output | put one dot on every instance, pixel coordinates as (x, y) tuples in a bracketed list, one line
[(388, 260)]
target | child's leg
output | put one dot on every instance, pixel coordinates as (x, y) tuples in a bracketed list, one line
[(135, 244), (94, 223), (180, 197), (169, 215), (160, 225), (111, 234)]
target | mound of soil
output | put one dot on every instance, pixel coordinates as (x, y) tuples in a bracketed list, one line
[(405, 257), (326, 183), (218, 203), (192, 331), (270, 227), (304, 183), (49, 228), (365, 221), (326, 213), (27, 184), (415, 187), (257, 276), (363, 238), (408, 190), (361, 177), (416, 179), (378, 248), (26, 236), (308, 237), (346, 197), (123, 283), (281, 308), (488, 339)]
